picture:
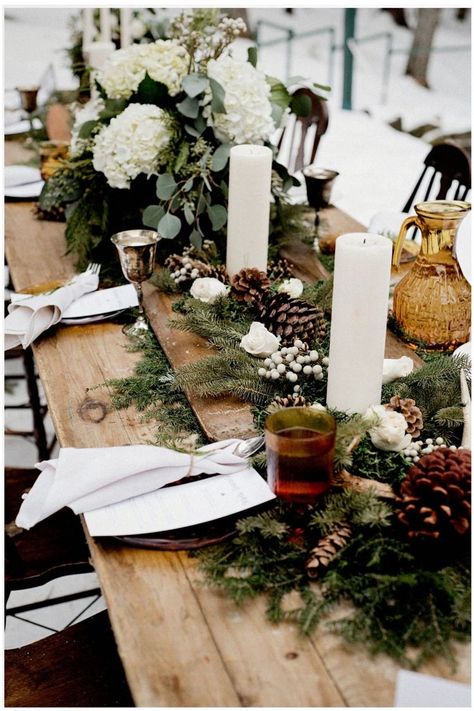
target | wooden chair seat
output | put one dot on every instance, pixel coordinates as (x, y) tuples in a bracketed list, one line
[(79, 666)]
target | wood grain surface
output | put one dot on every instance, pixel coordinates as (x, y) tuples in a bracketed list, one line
[(181, 643)]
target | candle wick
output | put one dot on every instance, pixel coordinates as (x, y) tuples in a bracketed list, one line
[(365, 240)]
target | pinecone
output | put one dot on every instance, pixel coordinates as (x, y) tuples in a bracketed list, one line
[(434, 500), (279, 269), (218, 271), (279, 403), (292, 318), (249, 285), (410, 412), (322, 554)]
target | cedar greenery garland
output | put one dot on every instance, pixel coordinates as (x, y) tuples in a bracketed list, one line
[(400, 604)]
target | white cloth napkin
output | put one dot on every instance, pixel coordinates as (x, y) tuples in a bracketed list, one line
[(87, 479), (28, 318)]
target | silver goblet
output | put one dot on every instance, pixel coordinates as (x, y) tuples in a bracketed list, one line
[(137, 250)]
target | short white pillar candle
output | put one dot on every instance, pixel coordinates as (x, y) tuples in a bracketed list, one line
[(250, 173), (359, 321)]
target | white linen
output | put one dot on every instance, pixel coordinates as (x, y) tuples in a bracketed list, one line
[(87, 479), (29, 318)]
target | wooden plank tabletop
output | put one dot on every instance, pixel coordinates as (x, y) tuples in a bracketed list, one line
[(181, 643)]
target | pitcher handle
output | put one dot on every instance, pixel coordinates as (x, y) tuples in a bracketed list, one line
[(411, 221)]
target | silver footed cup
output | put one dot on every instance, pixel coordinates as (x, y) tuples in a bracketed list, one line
[(137, 249)]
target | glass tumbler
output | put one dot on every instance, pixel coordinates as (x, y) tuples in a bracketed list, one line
[(300, 453)]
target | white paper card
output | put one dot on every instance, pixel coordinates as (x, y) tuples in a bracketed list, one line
[(102, 301), (181, 506), (421, 690)]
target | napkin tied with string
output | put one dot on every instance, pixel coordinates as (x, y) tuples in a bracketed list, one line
[(87, 479), (28, 318)]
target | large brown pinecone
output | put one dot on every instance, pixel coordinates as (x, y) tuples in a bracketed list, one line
[(249, 285), (279, 403), (410, 412), (279, 269), (435, 497), (292, 318), (322, 554)]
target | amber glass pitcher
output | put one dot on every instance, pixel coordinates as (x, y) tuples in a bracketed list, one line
[(432, 303)]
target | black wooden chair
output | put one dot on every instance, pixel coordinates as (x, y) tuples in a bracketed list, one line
[(52, 549), (446, 174), (299, 140), (78, 667)]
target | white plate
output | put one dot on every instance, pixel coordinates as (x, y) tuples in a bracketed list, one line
[(28, 191), (21, 127), (15, 175), (90, 319)]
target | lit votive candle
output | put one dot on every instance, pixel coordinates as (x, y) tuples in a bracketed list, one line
[(359, 321)]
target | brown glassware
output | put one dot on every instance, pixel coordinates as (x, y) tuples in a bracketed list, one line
[(432, 303), (300, 453)]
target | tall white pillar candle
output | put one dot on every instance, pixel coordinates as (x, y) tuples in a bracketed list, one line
[(105, 25), (125, 27), (359, 321), (88, 29), (250, 172)]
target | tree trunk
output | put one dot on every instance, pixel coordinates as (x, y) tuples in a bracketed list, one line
[(417, 65)]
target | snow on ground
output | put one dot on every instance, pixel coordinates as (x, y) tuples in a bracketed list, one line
[(378, 166)]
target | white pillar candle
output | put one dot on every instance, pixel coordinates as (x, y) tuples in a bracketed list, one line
[(88, 29), (105, 25), (125, 27), (359, 321), (250, 173)]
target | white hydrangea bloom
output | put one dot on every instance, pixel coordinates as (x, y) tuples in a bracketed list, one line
[(85, 112), (248, 117), (165, 61), (131, 144)]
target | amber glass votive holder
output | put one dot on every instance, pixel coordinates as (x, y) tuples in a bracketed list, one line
[(300, 453)]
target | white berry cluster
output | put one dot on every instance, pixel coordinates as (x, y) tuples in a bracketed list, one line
[(293, 363), (185, 273), (417, 449)]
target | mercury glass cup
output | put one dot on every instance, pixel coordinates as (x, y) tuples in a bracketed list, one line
[(137, 249)]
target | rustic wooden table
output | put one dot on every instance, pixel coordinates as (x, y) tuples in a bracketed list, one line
[(181, 643)]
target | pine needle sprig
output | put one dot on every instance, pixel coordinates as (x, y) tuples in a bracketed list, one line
[(353, 507)]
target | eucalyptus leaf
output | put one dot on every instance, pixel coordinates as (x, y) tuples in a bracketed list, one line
[(192, 130), (86, 129), (188, 185), (188, 107), (169, 226), (252, 56), (218, 96), (113, 107), (220, 157), (217, 215), (182, 156), (165, 186), (188, 213), (194, 84), (152, 215), (202, 204), (279, 94), (196, 239), (301, 105)]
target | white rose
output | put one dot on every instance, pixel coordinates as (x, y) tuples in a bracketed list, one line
[(292, 287), (389, 431), (207, 289), (394, 368), (137, 28), (318, 406), (259, 341)]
